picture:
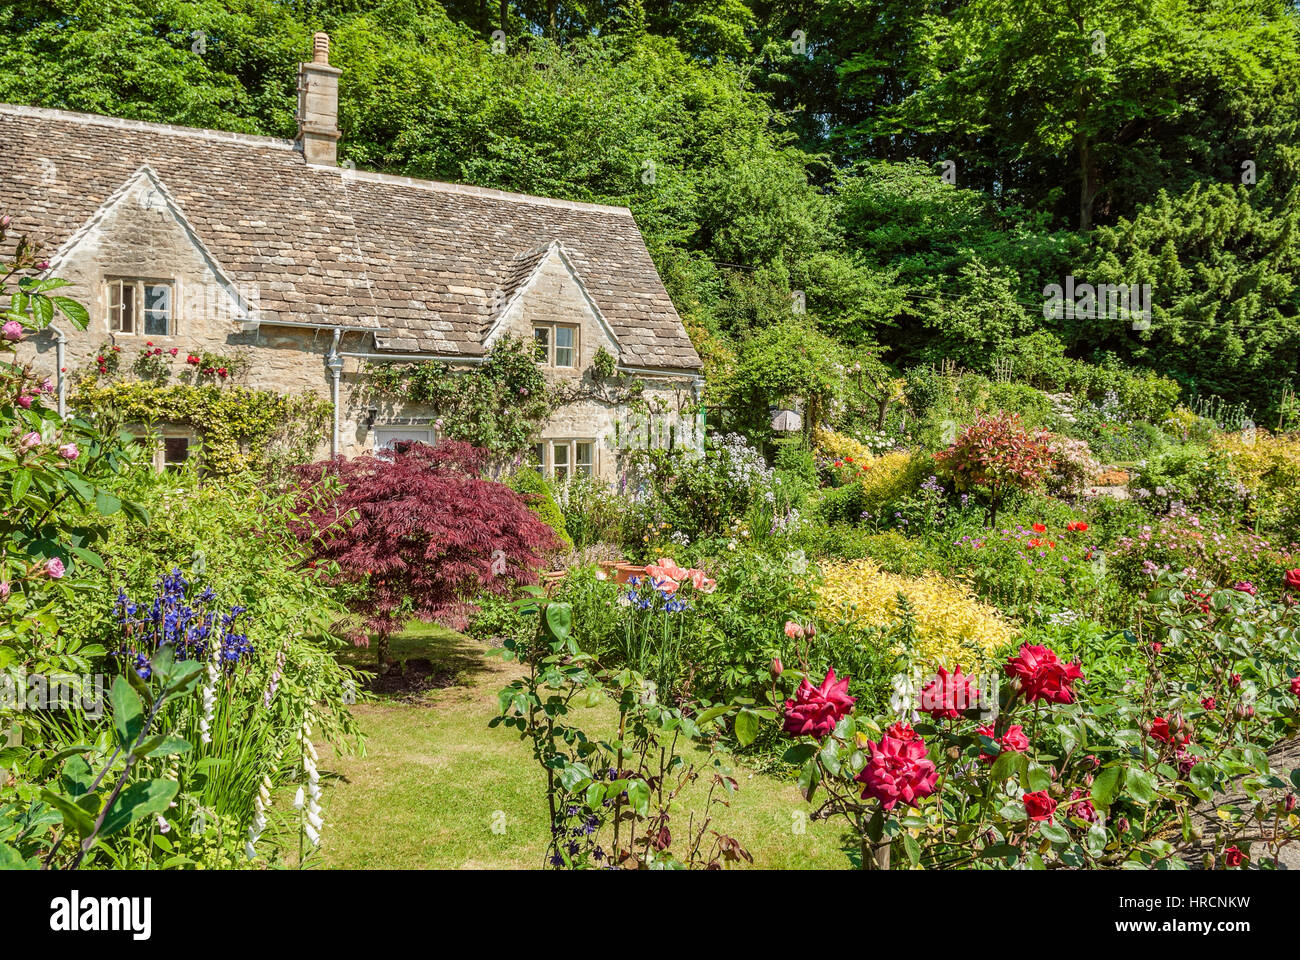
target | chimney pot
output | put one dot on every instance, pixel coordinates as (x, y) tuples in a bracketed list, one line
[(318, 105)]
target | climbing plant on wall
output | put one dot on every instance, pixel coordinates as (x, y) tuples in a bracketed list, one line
[(498, 405), (240, 428)]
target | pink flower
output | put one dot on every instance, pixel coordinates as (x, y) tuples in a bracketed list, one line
[(13, 330), (793, 630), (54, 568), (25, 402), (4, 590), (700, 581), (897, 770), (672, 570), (29, 440), (948, 694), (1013, 740), (1245, 586), (1295, 686), (1081, 806), (1042, 675), (69, 451), (816, 710)]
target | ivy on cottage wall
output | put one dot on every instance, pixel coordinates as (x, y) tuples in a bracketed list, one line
[(498, 405), (240, 428)]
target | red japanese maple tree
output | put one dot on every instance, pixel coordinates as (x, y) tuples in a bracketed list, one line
[(996, 455), (419, 533)]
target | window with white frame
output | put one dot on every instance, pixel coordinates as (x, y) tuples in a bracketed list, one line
[(141, 306), (561, 459), (387, 437), (557, 344)]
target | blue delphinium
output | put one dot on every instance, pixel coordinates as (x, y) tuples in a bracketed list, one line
[(174, 618)]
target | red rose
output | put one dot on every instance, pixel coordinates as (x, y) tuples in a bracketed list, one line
[(1292, 579), (1233, 857), (174, 350), (1160, 731), (1209, 703), (901, 731), (1040, 805), (1042, 675), (1295, 686), (948, 694), (816, 710), (897, 770)]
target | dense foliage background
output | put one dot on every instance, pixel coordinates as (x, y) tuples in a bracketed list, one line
[(919, 170)]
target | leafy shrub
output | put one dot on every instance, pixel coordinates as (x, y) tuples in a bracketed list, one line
[(1073, 466), (598, 618), (592, 511), (892, 477), (842, 505), (1268, 465), (541, 501), (416, 534), (841, 445), (1194, 475), (949, 625), (996, 455)]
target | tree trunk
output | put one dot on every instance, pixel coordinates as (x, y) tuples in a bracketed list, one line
[(505, 14), (381, 645), (550, 18)]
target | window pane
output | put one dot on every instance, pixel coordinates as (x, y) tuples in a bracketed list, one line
[(560, 458), (157, 308), (585, 457), (542, 337), (176, 450), (121, 307), (564, 346)]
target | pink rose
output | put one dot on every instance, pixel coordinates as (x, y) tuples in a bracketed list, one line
[(793, 630), (54, 568), (815, 710), (29, 440), (69, 451), (1081, 806), (1295, 686), (1245, 586), (1013, 740), (25, 402), (897, 770), (13, 330)]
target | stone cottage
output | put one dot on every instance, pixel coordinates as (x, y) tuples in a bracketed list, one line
[(267, 249)]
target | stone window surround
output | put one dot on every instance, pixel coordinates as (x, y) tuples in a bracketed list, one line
[(569, 444), (138, 319), (161, 434), (551, 326)]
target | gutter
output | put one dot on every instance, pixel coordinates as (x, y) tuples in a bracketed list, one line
[(60, 345), (334, 364)]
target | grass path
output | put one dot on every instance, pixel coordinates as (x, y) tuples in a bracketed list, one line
[(437, 788)]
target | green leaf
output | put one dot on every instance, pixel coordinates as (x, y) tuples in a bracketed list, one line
[(747, 726), (1106, 786), (106, 503), (75, 819), (128, 715), (559, 620), (809, 777), (1141, 785), (638, 796), (140, 799)]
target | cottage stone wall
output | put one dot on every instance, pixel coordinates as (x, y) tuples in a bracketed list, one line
[(142, 235)]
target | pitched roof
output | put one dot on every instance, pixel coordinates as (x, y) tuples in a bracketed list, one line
[(428, 264)]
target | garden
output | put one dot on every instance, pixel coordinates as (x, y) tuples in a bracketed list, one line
[(1042, 620)]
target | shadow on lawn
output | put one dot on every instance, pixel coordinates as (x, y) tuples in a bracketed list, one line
[(422, 658)]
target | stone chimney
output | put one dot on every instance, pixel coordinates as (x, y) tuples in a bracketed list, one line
[(318, 105)]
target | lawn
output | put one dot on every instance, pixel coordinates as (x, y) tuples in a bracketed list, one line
[(437, 788)]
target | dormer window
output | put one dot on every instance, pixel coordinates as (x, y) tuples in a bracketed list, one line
[(557, 344), (140, 306)]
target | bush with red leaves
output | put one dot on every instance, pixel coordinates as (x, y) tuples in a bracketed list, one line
[(418, 533), (996, 454)]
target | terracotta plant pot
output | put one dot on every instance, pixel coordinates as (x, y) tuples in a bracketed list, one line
[(626, 571)]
